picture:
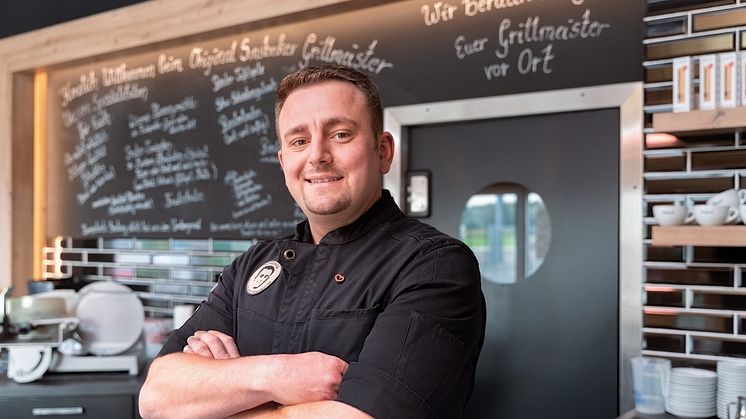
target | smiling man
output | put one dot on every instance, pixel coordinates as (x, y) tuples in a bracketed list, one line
[(363, 312)]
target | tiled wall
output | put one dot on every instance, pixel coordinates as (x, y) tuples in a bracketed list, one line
[(163, 272), (694, 297)]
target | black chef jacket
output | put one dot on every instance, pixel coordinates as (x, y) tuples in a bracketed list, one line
[(398, 300)]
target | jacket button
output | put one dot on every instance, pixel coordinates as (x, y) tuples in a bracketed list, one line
[(289, 254)]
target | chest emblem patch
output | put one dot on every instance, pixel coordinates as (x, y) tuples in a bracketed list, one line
[(263, 277)]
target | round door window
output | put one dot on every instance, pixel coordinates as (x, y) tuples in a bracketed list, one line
[(508, 229)]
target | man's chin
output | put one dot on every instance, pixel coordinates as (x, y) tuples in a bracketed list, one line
[(325, 210), (327, 207)]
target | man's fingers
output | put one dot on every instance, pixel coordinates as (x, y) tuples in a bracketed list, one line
[(228, 343), (215, 345), (199, 347), (212, 344), (221, 346)]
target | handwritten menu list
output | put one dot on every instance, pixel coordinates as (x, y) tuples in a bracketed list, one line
[(180, 142), (160, 145)]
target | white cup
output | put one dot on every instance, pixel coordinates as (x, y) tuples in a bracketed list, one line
[(729, 198), (670, 215), (742, 196), (743, 213), (708, 215)]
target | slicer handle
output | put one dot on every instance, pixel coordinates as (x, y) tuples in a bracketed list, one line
[(28, 363)]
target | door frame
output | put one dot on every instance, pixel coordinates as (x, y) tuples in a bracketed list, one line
[(628, 99)]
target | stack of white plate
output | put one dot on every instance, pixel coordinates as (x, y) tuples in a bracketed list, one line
[(731, 384), (692, 393)]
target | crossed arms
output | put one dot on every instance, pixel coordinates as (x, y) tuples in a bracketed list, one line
[(211, 380)]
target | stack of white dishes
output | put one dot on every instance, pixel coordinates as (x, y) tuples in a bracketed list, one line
[(731, 384), (692, 393)]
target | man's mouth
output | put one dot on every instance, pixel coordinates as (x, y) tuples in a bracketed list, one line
[(325, 179)]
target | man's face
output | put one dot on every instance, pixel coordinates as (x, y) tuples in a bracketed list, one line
[(331, 161)]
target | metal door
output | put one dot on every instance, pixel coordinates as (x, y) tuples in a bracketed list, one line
[(552, 342)]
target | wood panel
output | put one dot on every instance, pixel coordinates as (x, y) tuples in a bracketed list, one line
[(699, 236), (142, 24), (695, 121), (6, 168), (23, 181)]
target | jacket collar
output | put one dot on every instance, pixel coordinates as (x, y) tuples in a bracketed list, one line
[(382, 210)]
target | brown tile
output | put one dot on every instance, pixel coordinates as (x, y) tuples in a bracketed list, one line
[(658, 97), (664, 254), (670, 6), (665, 164), (658, 74), (691, 276), (699, 322), (691, 46), (722, 160), (688, 186), (718, 20), (672, 298), (654, 342), (669, 27), (718, 301), (718, 254)]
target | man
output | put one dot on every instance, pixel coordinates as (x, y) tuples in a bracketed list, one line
[(363, 312)]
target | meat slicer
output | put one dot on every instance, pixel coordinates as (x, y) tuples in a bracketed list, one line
[(65, 331)]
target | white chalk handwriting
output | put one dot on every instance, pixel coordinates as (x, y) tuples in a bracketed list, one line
[(323, 50)]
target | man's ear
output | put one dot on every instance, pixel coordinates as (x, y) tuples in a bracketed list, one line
[(385, 151), (279, 157)]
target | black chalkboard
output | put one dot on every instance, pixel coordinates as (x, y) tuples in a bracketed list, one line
[(180, 142)]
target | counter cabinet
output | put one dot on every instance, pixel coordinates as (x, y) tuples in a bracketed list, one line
[(100, 395)]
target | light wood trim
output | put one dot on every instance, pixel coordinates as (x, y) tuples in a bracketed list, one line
[(699, 236), (698, 121), (40, 172), (6, 177), (115, 31), (23, 181), (140, 25)]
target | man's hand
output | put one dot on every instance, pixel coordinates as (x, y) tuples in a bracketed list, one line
[(306, 377), (212, 344)]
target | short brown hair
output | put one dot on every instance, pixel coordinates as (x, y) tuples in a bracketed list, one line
[(317, 74)]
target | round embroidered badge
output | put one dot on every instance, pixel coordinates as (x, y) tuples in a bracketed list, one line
[(263, 277)]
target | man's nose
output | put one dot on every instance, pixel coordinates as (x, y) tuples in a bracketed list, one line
[(320, 151)]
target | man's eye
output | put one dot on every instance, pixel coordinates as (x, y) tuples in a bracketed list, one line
[(299, 142), (341, 135)]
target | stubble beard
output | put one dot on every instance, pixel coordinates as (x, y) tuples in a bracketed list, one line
[(327, 205)]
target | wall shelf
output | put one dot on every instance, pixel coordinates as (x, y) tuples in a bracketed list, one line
[(700, 121), (731, 235)]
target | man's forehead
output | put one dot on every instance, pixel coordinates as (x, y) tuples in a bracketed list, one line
[(331, 91)]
